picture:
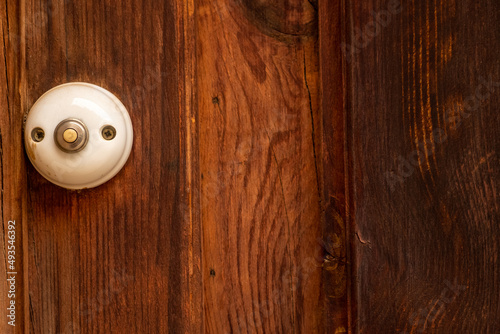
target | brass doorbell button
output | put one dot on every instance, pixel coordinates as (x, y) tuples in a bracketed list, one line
[(71, 135)]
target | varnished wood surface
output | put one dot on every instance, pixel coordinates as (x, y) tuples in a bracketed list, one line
[(336, 222), (288, 175), (12, 168), (258, 98), (123, 257), (425, 167)]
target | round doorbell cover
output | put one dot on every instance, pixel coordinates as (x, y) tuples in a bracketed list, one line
[(78, 135)]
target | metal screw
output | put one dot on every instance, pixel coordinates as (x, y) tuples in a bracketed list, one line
[(108, 132), (37, 134)]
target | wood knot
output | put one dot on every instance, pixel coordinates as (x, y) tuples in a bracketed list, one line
[(283, 19)]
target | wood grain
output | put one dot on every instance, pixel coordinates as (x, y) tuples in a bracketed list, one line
[(298, 167), (423, 141), (123, 257), (336, 220), (258, 98), (12, 166)]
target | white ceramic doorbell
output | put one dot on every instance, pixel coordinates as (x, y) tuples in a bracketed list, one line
[(78, 135)]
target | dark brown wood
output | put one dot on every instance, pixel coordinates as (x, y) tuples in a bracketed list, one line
[(298, 166), (336, 221), (13, 242), (123, 257), (424, 89), (260, 135)]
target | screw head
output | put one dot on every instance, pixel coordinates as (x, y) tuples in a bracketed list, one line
[(37, 134), (108, 132)]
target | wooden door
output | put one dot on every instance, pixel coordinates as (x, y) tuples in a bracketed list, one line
[(423, 89), (298, 167)]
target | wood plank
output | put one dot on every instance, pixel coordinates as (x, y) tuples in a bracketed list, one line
[(260, 159), (423, 137), (123, 257), (336, 220), (12, 171)]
